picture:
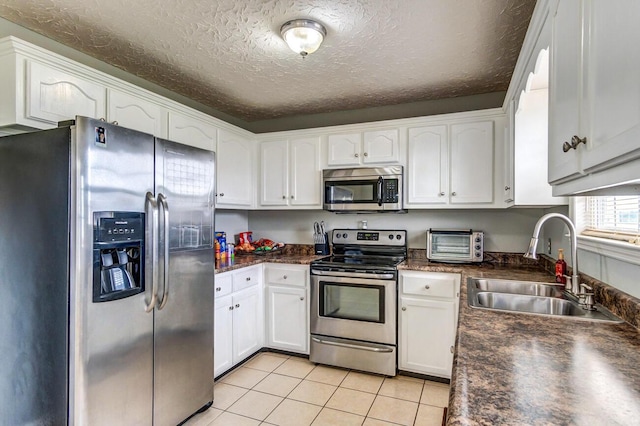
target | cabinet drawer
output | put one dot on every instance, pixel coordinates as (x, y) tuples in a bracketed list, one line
[(223, 284), (245, 278), (431, 284), (287, 275)]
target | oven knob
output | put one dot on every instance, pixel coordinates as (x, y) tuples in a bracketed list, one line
[(338, 235), (398, 237), (478, 247), (477, 239), (391, 236), (344, 235), (477, 254)]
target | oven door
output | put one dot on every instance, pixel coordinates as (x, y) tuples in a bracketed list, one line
[(354, 308)]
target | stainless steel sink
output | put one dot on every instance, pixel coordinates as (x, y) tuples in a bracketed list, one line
[(530, 297), (519, 287)]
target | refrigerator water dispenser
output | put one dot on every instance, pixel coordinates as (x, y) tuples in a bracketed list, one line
[(118, 255)]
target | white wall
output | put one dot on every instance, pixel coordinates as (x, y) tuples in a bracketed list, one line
[(232, 222), (505, 230)]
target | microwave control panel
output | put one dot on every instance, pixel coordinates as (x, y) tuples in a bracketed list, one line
[(390, 191)]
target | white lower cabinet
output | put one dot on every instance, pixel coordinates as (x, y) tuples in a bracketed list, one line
[(428, 318), (287, 308), (239, 317)]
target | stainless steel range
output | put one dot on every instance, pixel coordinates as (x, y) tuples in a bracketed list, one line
[(354, 301)]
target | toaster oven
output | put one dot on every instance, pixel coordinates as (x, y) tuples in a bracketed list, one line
[(455, 245)]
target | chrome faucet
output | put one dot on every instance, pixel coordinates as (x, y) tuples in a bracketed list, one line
[(573, 283)]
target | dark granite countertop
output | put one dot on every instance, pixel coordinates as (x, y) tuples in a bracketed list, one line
[(295, 254), (516, 369)]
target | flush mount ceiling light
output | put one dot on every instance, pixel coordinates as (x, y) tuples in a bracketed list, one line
[(303, 36)]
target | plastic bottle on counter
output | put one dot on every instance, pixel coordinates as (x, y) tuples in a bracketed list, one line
[(217, 249), (230, 251), (561, 268)]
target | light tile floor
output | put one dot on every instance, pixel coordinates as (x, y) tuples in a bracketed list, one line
[(275, 389)]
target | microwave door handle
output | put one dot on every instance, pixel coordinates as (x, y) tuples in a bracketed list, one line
[(380, 181)]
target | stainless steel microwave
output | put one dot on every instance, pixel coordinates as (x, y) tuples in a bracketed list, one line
[(455, 245), (363, 189)]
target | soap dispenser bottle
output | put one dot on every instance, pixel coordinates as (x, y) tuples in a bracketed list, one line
[(561, 268)]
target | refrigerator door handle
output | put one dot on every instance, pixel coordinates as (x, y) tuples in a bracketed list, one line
[(151, 210), (162, 201)]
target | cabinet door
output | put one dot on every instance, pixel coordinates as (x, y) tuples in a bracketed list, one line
[(564, 90), (274, 183), (427, 335), (471, 163), (344, 150), (428, 166), (135, 113), (223, 341), (247, 323), (54, 95), (305, 187), (611, 83), (287, 322), (381, 146), (235, 170), (191, 131)]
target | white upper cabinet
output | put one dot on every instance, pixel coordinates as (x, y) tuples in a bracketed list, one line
[(564, 86), (381, 146), (594, 95), (136, 113), (305, 188), (235, 161), (191, 131), (451, 165), (428, 165), (355, 149), (290, 173), (344, 150), (54, 95), (472, 163)]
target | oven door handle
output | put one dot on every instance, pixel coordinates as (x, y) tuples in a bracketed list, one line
[(388, 276), (351, 346)]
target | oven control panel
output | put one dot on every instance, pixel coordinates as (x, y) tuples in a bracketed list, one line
[(387, 237)]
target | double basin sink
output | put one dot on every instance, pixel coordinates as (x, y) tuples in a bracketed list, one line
[(530, 297)]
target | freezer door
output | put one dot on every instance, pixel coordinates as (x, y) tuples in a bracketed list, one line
[(111, 342), (183, 339)]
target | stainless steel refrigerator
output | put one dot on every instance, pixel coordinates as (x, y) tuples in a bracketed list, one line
[(106, 277)]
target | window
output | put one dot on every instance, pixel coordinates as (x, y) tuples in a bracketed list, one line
[(611, 217)]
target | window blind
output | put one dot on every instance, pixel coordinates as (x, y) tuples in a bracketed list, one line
[(613, 217)]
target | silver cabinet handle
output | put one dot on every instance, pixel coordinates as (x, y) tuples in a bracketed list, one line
[(453, 193), (151, 210), (237, 305), (292, 197), (284, 277), (357, 155), (301, 297), (248, 278), (284, 197), (366, 154), (162, 201), (451, 349), (404, 308), (506, 188), (441, 194), (218, 288), (231, 308), (222, 194), (427, 287)]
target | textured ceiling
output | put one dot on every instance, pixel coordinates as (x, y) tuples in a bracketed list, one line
[(228, 54)]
